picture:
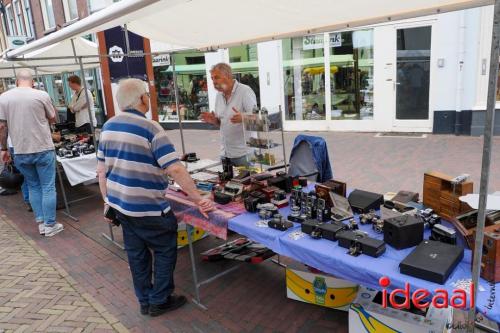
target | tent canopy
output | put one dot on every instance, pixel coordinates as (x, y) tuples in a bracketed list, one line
[(83, 47), (212, 24)]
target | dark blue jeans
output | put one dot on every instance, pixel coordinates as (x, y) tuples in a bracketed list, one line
[(151, 241)]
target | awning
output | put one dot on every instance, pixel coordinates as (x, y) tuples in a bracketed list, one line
[(212, 24), (53, 62)]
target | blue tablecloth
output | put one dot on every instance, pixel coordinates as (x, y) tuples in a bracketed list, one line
[(329, 257)]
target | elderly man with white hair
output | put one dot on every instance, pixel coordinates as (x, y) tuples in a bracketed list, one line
[(134, 158), (233, 99), (25, 116)]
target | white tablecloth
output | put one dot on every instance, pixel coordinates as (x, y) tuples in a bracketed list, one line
[(79, 169)]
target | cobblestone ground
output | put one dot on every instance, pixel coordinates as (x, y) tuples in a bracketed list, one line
[(37, 295)]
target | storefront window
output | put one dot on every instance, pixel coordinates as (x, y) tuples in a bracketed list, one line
[(191, 82), (351, 74), (244, 62), (304, 81)]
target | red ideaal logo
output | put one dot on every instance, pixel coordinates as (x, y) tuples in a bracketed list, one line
[(439, 300)]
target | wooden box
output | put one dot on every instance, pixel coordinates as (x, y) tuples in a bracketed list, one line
[(466, 224), (442, 196), (490, 260)]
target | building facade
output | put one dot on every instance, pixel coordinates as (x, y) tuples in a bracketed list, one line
[(427, 74)]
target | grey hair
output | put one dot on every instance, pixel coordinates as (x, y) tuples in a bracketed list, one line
[(129, 93), (24, 74), (223, 68)]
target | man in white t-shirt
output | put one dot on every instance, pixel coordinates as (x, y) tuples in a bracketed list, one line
[(79, 106), (233, 99), (25, 116)]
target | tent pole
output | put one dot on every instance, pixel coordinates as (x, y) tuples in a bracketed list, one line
[(87, 98), (37, 78), (486, 161), (177, 105), (74, 49)]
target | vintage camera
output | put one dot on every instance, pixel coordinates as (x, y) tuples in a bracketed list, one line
[(370, 217), (227, 170), (280, 199), (378, 226), (267, 210), (359, 243), (443, 234), (317, 229), (296, 215), (353, 225), (254, 198), (322, 212), (295, 198), (269, 192), (233, 189), (222, 198), (278, 222), (429, 217)]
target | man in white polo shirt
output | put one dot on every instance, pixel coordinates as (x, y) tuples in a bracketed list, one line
[(233, 99)]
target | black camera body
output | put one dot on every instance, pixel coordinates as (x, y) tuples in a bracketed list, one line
[(254, 198), (296, 215), (359, 243), (429, 217), (443, 234), (278, 222)]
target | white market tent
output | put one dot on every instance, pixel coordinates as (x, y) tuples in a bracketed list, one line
[(50, 61), (212, 24)]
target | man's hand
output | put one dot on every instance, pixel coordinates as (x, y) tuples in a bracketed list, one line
[(209, 117), (205, 206), (5, 155), (236, 118), (56, 136)]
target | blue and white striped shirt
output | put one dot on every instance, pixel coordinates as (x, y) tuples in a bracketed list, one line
[(135, 150)]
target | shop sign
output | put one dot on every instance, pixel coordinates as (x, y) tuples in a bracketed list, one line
[(316, 41), (17, 41), (161, 60)]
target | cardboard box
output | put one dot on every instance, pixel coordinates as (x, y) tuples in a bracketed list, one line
[(366, 315), (319, 288), (182, 239)]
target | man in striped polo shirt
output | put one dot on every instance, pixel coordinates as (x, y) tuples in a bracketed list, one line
[(134, 158)]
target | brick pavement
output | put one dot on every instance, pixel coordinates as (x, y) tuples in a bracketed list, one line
[(37, 295)]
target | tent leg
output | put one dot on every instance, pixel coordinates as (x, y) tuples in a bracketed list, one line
[(486, 161), (177, 103)]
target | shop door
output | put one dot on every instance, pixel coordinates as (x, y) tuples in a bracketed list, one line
[(412, 80)]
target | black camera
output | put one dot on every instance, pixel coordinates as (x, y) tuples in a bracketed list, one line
[(429, 217), (278, 222), (227, 170), (443, 234), (359, 243), (253, 200), (267, 210)]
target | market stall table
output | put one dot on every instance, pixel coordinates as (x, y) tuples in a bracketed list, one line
[(78, 170), (329, 257)]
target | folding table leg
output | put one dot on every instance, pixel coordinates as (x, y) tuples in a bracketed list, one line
[(111, 237), (65, 199), (197, 301)]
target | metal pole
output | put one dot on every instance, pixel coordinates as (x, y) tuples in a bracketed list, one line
[(127, 45), (89, 106), (37, 78), (177, 105), (485, 169), (74, 49), (189, 228), (283, 140)]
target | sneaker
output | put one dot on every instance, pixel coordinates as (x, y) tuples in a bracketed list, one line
[(41, 228), (53, 230), (144, 309), (174, 302)]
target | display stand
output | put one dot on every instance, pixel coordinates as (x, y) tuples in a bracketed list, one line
[(257, 127)]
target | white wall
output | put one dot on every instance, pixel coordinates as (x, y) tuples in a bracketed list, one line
[(270, 75)]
